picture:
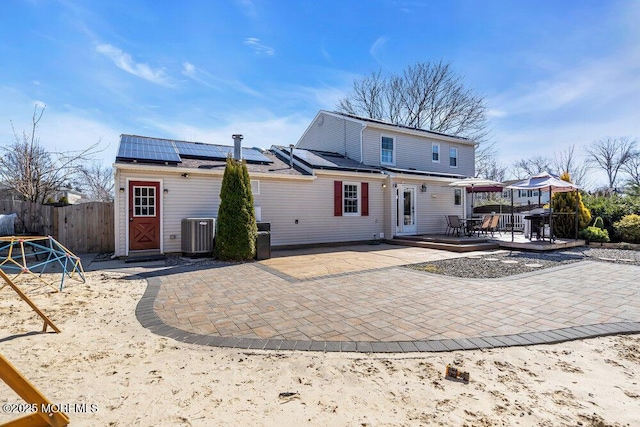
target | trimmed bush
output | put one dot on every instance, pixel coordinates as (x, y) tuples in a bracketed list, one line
[(594, 234), (612, 208), (236, 224), (599, 223), (565, 203), (628, 228)]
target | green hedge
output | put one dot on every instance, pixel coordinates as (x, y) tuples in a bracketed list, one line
[(612, 209), (628, 228)]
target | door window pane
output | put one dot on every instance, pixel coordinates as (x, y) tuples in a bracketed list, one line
[(144, 204)]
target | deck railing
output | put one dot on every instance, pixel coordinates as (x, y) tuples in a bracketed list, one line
[(505, 221)]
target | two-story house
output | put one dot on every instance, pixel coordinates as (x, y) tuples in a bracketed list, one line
[(347, 179)]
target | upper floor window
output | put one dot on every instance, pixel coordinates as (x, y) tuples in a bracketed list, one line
[(435, 152), (453, 157), (387, 150)]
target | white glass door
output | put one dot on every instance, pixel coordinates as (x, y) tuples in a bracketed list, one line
[(407, 210)]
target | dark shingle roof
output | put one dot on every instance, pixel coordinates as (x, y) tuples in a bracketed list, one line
[(326, 160), (196, 155), (382, 122)]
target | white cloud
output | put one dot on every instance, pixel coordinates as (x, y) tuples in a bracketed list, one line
[(259, 48), (207, 79), (577, 105), (248, 8), (125, 62), (613, 79), (377, 47), (263, 130), (491, 113)]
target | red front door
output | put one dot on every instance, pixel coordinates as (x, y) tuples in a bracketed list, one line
[(144, 215)]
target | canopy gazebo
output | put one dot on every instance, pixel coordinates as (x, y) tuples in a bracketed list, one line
[(479, 185), (544, 181)]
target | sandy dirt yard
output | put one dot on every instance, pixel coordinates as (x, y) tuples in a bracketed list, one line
[(128, 376)]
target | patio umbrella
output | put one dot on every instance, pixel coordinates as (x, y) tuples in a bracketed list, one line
[(541, 182), (481, 184)]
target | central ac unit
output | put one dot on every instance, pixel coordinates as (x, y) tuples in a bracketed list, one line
[(197, 235)]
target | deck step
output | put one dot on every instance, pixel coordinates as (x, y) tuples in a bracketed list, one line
[(451, 247)]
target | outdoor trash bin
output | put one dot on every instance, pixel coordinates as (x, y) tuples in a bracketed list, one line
[(263, 241)]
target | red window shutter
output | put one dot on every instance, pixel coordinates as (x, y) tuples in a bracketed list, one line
[(337, 198), (365, 198)]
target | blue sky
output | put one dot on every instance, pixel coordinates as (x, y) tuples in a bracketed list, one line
[(554, 73)]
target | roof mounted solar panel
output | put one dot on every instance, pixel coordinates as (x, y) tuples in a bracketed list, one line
[(139, 148), (198, 150), (312, 158), (253, 155), (144, 149)]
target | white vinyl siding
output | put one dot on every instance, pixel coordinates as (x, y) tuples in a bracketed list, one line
[(431, 206), (333, 134), (281, 202), (412, 151), (387, 150)]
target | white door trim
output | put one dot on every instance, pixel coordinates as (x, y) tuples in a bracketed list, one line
[(402, 227)]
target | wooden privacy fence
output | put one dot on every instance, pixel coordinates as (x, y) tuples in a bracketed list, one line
[(82, 228)]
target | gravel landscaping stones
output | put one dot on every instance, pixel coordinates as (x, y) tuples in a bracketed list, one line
[(514, 262)]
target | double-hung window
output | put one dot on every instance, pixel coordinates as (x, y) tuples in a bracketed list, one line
[(457, 197), (435, 152), (387, 150), (350, 199), (453, 157)]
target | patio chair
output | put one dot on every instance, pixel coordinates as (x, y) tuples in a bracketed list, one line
[(448, 229), (493, 225), (455, 224), (484, 225)]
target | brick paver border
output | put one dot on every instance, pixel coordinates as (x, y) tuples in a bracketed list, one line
[(150, 320)]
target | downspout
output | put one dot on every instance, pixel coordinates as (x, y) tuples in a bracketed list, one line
[(364, 126), (344, 137)]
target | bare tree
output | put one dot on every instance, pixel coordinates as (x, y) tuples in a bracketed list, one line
[(568, 161), (32, 172), (96, 181), (632, 168), (524, 168), (487, 164), (611, 155), (426, 96)]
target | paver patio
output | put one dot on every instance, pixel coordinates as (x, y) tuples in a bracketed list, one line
[(359, 299)]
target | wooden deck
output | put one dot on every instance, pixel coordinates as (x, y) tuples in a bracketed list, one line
[(482, 243)]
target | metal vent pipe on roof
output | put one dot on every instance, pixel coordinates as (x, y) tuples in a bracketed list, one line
[(237, 146), (291, 155)]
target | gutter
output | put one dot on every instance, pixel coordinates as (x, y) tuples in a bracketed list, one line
[(164, 170)]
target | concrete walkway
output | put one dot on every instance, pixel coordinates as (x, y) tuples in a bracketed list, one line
[(359, 299)]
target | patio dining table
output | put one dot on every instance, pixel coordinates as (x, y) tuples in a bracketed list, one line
[(470, 223)]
